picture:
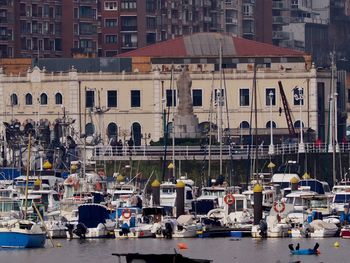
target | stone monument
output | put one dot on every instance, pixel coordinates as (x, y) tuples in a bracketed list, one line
[(186, 123)]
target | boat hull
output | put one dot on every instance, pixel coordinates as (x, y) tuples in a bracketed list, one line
[(21, 240)]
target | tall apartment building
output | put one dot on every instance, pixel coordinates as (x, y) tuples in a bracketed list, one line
[(60, 28), (7, 19)]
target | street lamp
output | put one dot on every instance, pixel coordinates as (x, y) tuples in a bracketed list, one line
[(271, 146), (300, 97)]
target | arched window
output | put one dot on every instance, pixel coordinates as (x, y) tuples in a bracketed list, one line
[(43, 99), (136, 133), (297, 124), (244, 125), (268, 124), (112, 130), (58, 99), (89, 129), (29, 99), (14, 99)]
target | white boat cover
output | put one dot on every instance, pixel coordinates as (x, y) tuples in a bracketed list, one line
[(184, 220), (319, 225)]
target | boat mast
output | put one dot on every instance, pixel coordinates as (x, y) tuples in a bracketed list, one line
[(173, 130), (219, 107), (27, 178)]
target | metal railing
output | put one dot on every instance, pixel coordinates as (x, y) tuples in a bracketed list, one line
[(189, 152)]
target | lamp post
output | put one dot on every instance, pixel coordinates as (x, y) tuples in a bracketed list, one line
[(271, 146), (300, 98)]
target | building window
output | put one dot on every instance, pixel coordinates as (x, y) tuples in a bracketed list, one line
[(244, 125), (112, 130), (58, 99), (29, 99), (197, 97), (297, 124), (14, 99), (111, 98), (111, 39), (268, 124), (111, 6), (298, 96), (135, 98), (43, 99), (244, 97), (128, 4), (89, 129), (170, 98), (111, 23), (150, 5), (89, 99), (267, 96), (151, 23)]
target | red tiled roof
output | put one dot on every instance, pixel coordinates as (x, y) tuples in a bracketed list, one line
[(246, 47), (206, 45), (169, 48)]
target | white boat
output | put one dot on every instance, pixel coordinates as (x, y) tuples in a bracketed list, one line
[(340, 199), (186, 227), (323, 229), (56, 225), (168, 194), (132, 222), (93, 222)]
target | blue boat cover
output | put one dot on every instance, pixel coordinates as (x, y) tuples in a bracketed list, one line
[(92, 214)]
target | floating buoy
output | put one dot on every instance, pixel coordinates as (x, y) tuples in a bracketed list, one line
[(182, 246), (58, 245), (336, 244)]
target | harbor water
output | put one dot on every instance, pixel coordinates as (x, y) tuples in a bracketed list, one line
[(220, 250)]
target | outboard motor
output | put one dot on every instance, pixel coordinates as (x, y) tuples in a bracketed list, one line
[(168, 231), (70, 228), (80, 230), (263, 228)]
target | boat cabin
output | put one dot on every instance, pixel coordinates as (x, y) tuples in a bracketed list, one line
[(340, 199)]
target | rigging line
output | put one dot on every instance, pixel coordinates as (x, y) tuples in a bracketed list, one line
[(251, 140), (228, 128), (210, 124)]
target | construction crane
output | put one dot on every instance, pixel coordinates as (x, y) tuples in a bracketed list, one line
[(287, 111)]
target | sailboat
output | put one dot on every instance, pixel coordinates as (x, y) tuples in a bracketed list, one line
[(22, 233)]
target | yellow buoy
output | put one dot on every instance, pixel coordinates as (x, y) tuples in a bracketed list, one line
[(171, 166), (257, 188), (336, 244), (47, 165), (58, 245), (155, 183)]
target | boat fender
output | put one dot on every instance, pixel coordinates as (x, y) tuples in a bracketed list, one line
[(229, 199), (126, 213), (279, 207)]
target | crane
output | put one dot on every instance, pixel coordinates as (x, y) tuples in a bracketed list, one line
[(287, 111)]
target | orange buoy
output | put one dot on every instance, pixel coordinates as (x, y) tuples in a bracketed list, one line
[(182, 246)]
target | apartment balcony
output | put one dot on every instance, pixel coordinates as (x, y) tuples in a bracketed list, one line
[(282, 20), (207, 19), (233, 4), (129, 45), (281, 35), (128, 29), (206, 3), (231, 20), (281, 5)]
